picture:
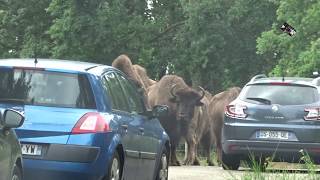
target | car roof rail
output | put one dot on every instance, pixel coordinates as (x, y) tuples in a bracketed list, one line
[(316, 81), (259, 76)]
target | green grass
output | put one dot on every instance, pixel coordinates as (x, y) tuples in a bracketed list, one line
[(203, 160), (271, 173), (275, 170)]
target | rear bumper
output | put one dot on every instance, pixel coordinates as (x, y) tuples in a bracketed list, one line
[(55, 170), (67, 153), (280, 151), (240, 139), (85, 158)]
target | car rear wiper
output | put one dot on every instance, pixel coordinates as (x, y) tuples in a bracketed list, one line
[(262, 100), (16, 101)]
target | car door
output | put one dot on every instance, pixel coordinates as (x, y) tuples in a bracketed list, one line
[(5, 154), (151, 146), (129, 128), (147, 140)]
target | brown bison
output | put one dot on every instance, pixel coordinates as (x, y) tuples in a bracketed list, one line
[(216, 112), (124, 64), (200, 128), (143, 76), (172, 91)]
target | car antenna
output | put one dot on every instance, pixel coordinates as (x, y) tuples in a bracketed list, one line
[(35, 56), (35, 61), (282, 78)]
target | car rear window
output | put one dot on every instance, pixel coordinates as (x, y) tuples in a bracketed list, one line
[(280, 94), (36, 87)]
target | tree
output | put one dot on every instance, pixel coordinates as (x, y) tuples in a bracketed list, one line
[(23, 27), (167, 19), (97, 30), (219, 41), (297, 55)]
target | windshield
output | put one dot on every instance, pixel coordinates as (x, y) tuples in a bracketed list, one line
[(45, 88), (280, 94)]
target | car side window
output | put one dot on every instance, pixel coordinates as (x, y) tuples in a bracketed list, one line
[(114, 90), (133, 97)]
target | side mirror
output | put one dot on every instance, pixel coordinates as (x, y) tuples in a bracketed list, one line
[(12, 119), (160, 111)]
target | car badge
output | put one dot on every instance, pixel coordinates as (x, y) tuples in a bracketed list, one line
[(275, 108)]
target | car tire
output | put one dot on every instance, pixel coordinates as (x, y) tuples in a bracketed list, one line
[(230, 162), (162, 172), (17, 173), (115, 168)]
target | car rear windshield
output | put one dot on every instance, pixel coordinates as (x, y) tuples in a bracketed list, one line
[(280, 94), (46, 88)]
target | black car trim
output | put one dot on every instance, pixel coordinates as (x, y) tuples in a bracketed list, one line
[(148, 155), (94, 66), (134, 154), (67, 153)]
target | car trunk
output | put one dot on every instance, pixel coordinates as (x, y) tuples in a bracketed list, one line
[(48, 124), (285, 119), (52, 101), (277, 114), (278, 111)]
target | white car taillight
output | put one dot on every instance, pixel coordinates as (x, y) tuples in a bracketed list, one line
[(91, 122), (313, 114), (236, 111)]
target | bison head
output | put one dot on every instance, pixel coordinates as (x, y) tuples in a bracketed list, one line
[(185, 99)]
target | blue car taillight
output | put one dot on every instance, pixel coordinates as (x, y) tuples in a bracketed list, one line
[(92, 122), (236, 111)]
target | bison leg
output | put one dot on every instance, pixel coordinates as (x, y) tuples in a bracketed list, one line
[(219, 153), (174, 134), (196, 161), (190, 152), (174, 160), (207, 149)]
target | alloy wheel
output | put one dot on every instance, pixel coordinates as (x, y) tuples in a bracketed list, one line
[(15, 177), (115, 170), (163, 172)]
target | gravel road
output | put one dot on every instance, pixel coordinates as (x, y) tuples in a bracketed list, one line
[(200, 173), (217, 173)]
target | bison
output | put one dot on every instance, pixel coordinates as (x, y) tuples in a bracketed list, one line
[(143, 76), (172, 91), (124, 64), (200, 128), (216, 112)]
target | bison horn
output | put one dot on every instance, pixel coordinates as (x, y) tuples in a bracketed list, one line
[(172, 90), (203, 92)]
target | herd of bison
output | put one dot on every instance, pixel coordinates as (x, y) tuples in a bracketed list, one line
[(194, 114)]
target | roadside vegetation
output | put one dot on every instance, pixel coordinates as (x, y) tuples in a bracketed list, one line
[(306, 169), (213, 43)]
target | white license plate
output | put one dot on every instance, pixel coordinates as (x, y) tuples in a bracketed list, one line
[(31, 149), (282, 135)]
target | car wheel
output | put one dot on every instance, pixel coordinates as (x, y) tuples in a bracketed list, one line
[(162, 173), (114, 170), (230, 162), (16, 175)]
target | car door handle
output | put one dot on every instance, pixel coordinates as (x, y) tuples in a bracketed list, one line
[(141, 130), (124, 126)]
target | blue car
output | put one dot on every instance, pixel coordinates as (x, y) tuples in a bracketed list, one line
[(83, 121)]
